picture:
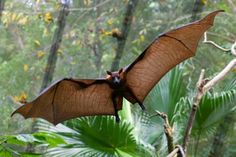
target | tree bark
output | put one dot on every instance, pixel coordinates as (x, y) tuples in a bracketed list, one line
[(52, 59), (132, 4), (57, 38), (2, 4), (97, 43)]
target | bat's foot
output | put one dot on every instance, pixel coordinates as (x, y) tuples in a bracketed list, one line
[(142, 107), (117, 118)]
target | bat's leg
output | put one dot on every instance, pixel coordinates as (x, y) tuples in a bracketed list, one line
[(115, 107), (135, 98), (141, 105)]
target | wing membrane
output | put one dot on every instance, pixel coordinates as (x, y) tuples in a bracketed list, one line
[(164, 53), (70, 98)]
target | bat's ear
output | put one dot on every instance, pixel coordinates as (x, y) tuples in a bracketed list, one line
[(109, 73), (120, 70)]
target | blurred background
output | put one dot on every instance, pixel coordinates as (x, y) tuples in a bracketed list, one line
[(88, 35)]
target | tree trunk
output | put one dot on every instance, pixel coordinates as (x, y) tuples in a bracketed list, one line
[(2, 4), (57, 38), (97, 43), (132, 4), (52, 59)]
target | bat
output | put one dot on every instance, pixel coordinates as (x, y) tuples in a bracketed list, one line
[(70, 98)]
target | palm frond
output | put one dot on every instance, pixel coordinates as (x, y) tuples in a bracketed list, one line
[(97, 136), (168, 92), (212, 108)]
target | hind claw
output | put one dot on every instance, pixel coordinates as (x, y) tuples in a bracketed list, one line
[(142, 107), (117, 118)]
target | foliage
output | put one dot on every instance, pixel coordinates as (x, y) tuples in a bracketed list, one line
[(27, 28), (11, 143)]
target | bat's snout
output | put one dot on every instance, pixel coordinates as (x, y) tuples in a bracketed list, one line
[(116, 80)]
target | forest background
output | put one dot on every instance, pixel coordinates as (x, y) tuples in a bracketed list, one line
[(87, 32)]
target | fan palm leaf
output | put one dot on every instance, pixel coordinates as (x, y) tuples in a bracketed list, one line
[(212, 108), (96, 136)]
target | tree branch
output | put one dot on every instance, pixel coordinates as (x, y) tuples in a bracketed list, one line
[(213, 43), (124, 31), (196, 102), (220, 75), (233, 49), (203, 86), (57, 38), (168, 131), (2, 4), (173, 153), (178, 150)]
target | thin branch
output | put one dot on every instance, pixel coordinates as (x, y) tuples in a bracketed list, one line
[(214, 44), (168, 131), (196, 102), (203, 86), (233, 49), (173, 153), (220, 75), (178, 150)]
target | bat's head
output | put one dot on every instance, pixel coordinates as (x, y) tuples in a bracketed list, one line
[(116, 78)]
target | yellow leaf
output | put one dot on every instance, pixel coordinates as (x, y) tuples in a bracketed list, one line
[(40, 15), (59, 51), (108, 33), (110, 22), (48, 17), (26, 67), (38, 1), (20, 98), (37, 43), (104, 32), (126, 1), (234, 70), (23, 97), (76, 42), (73, 63), (40, 54), (87, 2), (204, 2), (142, 38), (58, 6), (13, 16), (23, 20), (45, 32), (16, 98)]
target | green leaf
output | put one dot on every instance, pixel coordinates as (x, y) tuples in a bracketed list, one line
[(97, 136), (168, 93), (31, 154), (212, 108), (51, 139)]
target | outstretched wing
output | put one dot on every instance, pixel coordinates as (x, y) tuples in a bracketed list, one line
[(70, 98), (165, 52)]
